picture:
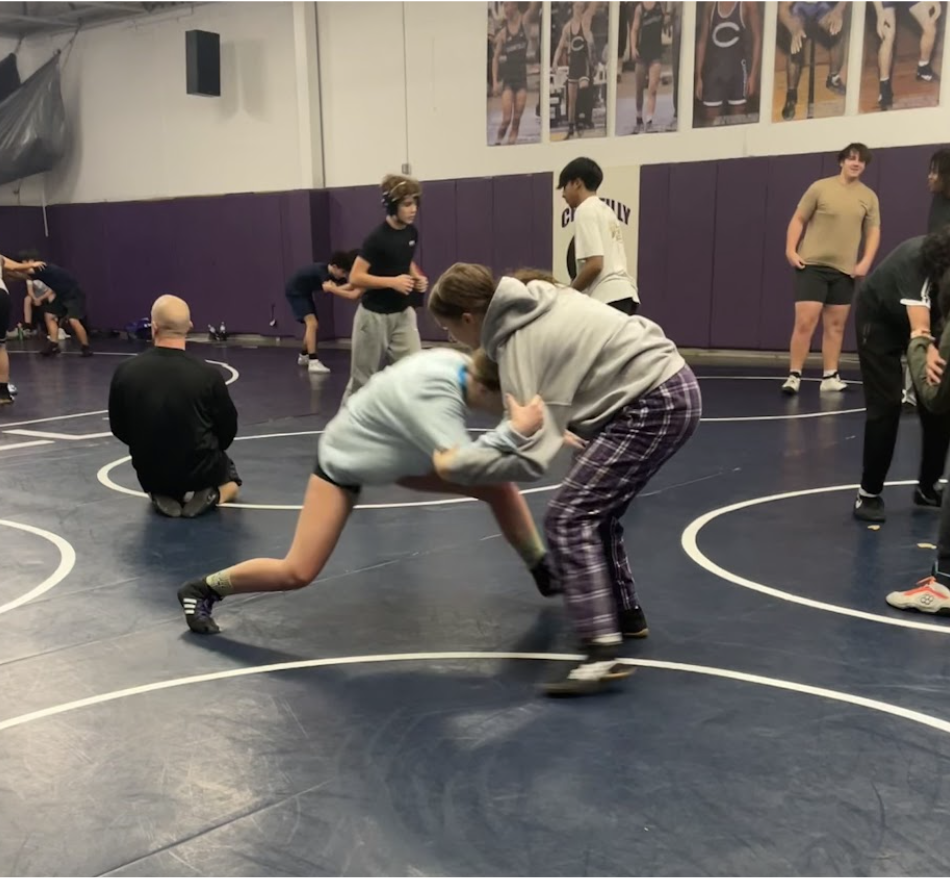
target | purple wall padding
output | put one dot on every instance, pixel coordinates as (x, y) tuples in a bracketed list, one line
[(439, 240), (788, 178), (654, 244), (739, 251), (751, 299), (542, 242), (501, 222), (684, 308), (228, 257), (319, 251), (473, 218), (511, 224), (21, 228), (354, 213)]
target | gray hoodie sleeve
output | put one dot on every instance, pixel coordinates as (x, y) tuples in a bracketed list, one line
[(525, 462)]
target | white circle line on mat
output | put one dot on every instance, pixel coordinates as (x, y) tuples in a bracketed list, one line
[(690, 544), (776, 378), (67, 560), (704, 670)]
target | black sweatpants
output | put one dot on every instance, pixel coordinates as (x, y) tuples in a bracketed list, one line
[(881, 344)]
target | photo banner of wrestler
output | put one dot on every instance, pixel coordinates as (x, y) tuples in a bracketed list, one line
[(648, 65), (811, 60), (514, 73), (579, 37), (620, 191), (903, 45), (728, 64)]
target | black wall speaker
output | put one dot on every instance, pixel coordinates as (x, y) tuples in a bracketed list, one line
[(203, 58)]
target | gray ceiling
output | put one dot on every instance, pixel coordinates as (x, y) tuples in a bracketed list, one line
[(30, 19)]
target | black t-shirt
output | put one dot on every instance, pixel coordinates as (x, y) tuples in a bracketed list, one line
[(939, 213), (389, 253), (308, 280), (58, 280), (900, 280), (175, 414)]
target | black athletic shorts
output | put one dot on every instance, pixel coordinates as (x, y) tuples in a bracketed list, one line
[(72, 306), (301, 304), (4, 315), (627, 306), (820, 283), (320, 473)]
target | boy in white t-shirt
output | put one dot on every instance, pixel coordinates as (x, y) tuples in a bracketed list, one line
[(598, 239)]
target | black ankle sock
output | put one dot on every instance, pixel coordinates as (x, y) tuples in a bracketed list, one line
[(312, 356), (4, 387), (795, 374)]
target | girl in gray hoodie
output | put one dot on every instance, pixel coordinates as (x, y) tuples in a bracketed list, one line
[(387, 432), (617, 382)]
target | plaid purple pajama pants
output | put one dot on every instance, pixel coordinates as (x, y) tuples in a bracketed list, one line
[(582, 523)]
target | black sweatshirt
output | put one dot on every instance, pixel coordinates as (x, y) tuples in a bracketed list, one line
[(175, 414)]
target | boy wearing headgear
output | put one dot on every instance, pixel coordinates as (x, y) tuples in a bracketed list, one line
[(385, 324)]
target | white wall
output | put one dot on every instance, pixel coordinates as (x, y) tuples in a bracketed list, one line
[(138, 135), (365, 97)]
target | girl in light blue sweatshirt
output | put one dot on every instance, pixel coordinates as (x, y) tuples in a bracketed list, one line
[(388, 432)]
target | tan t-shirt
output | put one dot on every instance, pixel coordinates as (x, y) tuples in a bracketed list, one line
[(836, 214)]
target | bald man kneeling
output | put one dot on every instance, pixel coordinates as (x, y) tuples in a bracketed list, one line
[(176, 415)]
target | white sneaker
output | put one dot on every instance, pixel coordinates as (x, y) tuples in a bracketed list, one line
[(929, 596), (62, 334), (791, 386), (832, 383), (302, 359), (316, 367)]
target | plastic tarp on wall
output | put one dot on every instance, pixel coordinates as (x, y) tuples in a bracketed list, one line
[(33, 125)]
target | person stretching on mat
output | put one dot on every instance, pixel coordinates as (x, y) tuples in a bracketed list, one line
[(176, 415), (612, 379), (387, 433), (385, 325)]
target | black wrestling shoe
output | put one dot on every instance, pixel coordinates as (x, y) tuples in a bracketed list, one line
[(197, 599), (544, 579), (633, 623), (591, 676), (6, 398), (932, 497), (86, 351), (167, 506), (202, 501), (51, 350)]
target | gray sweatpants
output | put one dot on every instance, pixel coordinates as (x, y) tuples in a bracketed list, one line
[(380, 339)]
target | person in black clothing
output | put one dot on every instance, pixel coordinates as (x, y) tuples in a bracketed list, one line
[(329, 277), (938, 182), (646, 38), (509, 69), (68, 303), (176, 415), (892, 307), (385, 324)]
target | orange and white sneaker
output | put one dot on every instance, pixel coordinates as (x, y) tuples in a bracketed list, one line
[(928, 596)]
